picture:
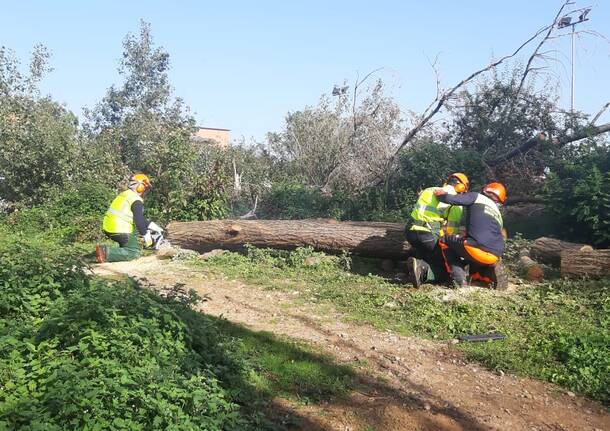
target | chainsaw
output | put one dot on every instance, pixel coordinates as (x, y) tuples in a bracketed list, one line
[(158, 241)]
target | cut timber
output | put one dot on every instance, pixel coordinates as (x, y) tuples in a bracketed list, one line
[(381, 240), (548, 250), (530, 269), (586, 263)]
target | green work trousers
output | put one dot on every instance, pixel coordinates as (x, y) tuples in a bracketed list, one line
[(128, 248)]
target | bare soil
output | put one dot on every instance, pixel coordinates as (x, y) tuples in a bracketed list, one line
[(404, 383)]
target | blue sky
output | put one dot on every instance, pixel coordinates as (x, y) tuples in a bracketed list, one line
[(243, 65)]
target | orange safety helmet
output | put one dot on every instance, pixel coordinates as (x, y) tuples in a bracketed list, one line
[(463, 185), (496, 189), (139, 183)]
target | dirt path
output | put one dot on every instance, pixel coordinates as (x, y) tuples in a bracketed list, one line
[(407, 384)]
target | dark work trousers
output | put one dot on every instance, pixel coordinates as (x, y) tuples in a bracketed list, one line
[(426, 248), (457, 257)]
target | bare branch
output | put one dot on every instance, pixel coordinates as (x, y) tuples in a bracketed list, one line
[(599, 114), (437, 75), (583, 133), (438, 104), (535, 53)]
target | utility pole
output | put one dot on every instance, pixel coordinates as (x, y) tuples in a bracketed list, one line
[(566, 21), (572, 86)]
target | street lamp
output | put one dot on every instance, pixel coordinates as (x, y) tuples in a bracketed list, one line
[(566, 21)]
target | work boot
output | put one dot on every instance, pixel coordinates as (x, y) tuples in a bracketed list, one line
[(458, 276), (100, 253), (501, 282), (456, 284), (417, 271)]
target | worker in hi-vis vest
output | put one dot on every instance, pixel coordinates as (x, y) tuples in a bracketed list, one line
[(484, 242), (431, 219), (124, 218)]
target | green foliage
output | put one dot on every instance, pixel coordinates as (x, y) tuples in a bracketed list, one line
[(32, 278), (558, 331), (150, 130), (82, 353), (344, 141), (72, 214), (577, 188), (295, 201), (499, 115), (90, 355), (38, 148), (513, 247), (182, 194)]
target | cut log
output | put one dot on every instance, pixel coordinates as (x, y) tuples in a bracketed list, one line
[(371, 239), (530, 269), (585, 263), (548, 250)]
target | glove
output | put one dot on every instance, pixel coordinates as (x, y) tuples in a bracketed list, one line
[(148, 241), (154, 227)]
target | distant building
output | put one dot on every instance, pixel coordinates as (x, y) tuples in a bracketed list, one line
[(221, 136)]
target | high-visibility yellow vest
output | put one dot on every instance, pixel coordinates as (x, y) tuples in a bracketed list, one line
[(119, 217), (454, 217), (429, 213)]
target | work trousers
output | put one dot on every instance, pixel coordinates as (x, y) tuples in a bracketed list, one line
[(457, 257), (128, 248), (426, 248)]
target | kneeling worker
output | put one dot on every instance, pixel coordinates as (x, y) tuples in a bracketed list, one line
[(484, 243), (429, 218), (126, 213)]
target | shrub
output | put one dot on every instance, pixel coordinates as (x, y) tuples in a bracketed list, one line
[(82, 354), (577, 190), (33, 275), (70, 215)]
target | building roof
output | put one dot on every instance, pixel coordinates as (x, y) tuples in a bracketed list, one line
[(213, 128)]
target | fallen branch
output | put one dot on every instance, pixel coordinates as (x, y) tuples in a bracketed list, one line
[(586, 132), (440, 101)]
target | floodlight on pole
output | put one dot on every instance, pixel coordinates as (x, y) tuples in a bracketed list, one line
[(566, 21), (337, 91)]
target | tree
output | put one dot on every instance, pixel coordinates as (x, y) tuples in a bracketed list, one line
[(139, 115), (347, 142), (150, 129), (501, 112), (445, 96), (39, 146)]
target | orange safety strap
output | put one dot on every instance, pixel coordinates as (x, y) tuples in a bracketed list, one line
[(478, 277), (444, 247), (480, 256)]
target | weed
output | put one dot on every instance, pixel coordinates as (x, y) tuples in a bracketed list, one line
[(558, 331), (83, 353)]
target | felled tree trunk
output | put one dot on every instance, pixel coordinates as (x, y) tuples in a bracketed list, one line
[(589, 263), (381, 240), (548, 250)]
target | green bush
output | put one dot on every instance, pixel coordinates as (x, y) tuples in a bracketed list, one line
[(577, 189), (82, 354), (70, 215), (295, 201), (32, 277)]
